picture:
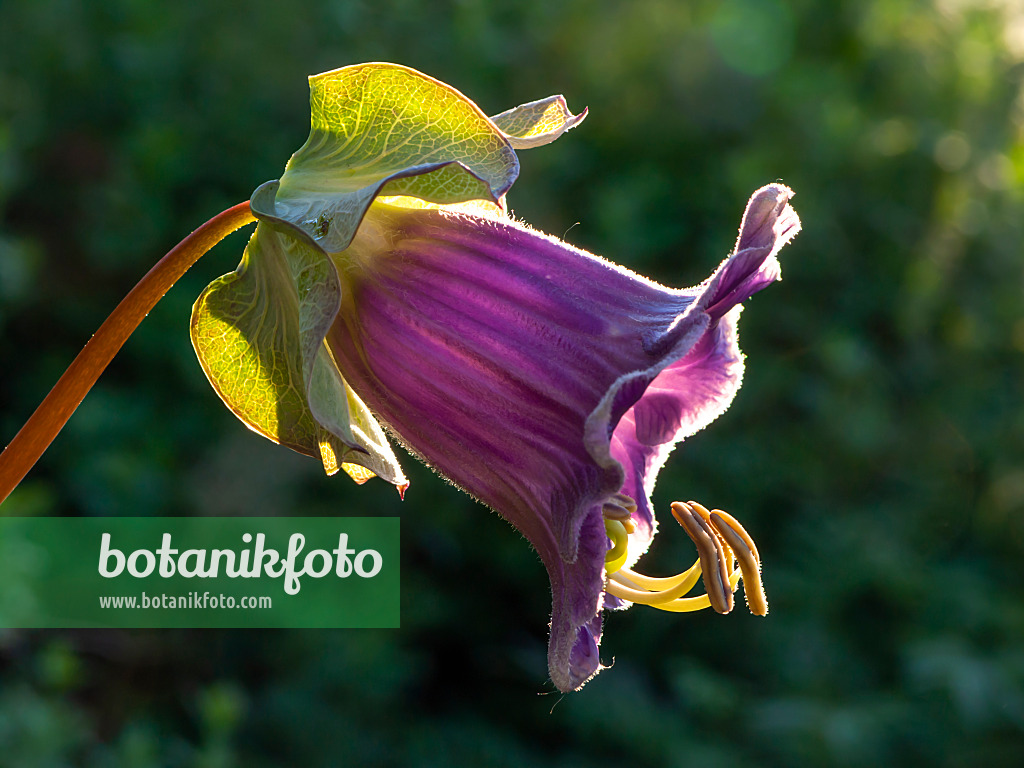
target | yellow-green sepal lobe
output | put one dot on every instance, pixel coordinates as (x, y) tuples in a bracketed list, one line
[(538, 122), (386, 129), (258, 333)]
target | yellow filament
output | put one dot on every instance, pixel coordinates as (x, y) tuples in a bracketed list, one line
[(647, 597), (687, 604), (676, 605), (658, 584), (619, 551)]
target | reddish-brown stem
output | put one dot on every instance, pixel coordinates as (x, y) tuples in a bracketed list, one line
[(52, 414)]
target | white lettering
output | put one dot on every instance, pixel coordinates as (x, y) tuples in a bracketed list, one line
[(105, 554), (378, 563), (166, 555), (133, 563), (167, 561)]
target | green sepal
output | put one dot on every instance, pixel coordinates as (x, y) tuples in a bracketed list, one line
[(259, 335), (376, 129), (385, 129), (538, 122)]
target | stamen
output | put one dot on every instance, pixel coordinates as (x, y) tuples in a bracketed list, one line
[(735, 525), (660, 600), (626, 501), (618, 524), (688, 604), (616, 555), (750, 565), (742, 546), (712, 556), (656, 584), (614, 511), (720, 542), (637, 594), (700, 509)]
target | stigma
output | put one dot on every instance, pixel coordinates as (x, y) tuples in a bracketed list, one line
[(725, 555)]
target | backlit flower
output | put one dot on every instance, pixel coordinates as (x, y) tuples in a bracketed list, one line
[(551, 385), (386, 283)]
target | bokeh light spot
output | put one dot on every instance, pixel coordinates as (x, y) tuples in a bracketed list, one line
[(952, 151)]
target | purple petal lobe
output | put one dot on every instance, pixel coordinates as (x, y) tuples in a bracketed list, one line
[(768, 224)]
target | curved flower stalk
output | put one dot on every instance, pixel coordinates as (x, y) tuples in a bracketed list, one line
[(548, 383)]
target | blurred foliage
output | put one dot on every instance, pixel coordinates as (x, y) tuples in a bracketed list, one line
[(876, 451)]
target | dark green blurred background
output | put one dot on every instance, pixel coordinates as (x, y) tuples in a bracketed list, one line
[(876, 450)]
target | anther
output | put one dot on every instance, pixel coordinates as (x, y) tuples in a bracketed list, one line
[(715, 563), (625, 501), (750, 565), (613, 511)]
